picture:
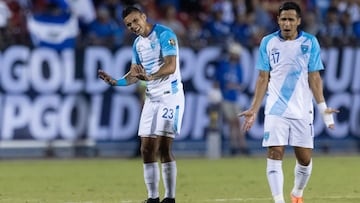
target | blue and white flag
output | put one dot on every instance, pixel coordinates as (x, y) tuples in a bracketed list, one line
[(58, 32)]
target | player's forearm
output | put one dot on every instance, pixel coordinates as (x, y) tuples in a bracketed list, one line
[(163, 72), (316, 86), (130, 79), (260, 91), (168, 68)]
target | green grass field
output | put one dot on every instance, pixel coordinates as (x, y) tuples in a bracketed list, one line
[(334, 180)]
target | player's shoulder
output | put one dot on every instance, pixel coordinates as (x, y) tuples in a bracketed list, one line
[(267, 38), (162, 28), (271, 35), (307, 35)]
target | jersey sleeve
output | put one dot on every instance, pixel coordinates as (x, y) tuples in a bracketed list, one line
[(263, 59), (168, 43), (135, 56), (315, 63)]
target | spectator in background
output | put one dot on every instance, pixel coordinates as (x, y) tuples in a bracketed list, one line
[(229, 79), (170, 20), (54, 26), (217, 29), (331, 32), (349, 37), (246, 31), (262, 18), (104, 31), (5, 15), (17, 27), (311, 23), (195, 39)]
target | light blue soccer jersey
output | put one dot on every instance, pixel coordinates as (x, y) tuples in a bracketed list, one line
[(289, 62), (150, 52)]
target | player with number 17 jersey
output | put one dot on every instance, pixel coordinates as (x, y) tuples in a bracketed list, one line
[(289, 94)]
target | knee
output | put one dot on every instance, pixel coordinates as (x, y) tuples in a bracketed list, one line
[(147, 151), (304, 161), (164, 151), (165, 154), (275, 153)]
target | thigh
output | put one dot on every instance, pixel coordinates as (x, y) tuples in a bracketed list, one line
[(276, 131), (301, 134), (169, 115), (147, 119)]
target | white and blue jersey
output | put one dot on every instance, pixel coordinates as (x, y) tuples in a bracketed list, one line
[(289, 62), (150, 52)]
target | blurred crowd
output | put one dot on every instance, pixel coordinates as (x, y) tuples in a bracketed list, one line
[(198, 23)]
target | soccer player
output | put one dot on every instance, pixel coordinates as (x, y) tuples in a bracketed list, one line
[(289, 64), (155, 60)]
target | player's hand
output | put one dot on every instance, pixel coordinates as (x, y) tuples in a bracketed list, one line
[(106, 77), (250, 117), (328, 113), (139, 72)]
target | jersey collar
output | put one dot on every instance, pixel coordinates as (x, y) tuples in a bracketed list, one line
[(300, 32)]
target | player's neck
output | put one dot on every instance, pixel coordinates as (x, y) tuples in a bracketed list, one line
[(289, 38), (149, 28)]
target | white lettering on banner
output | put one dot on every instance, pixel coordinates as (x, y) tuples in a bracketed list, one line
[(1, 111), (255, 74), (95, 58), (53, 80), (122, 127), (78, 105), (95, 128), (188, 122), (17, 112), (119, 127), (188, 63), (71, 84), (44, 120), (355, 116), (356, 73), (200, 117), (121, 66), (195, 119), (339, 82), (46, 95), (199, 80), (247, 63), (14, 70)]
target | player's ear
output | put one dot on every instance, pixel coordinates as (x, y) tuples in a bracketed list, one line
[(143, 15)]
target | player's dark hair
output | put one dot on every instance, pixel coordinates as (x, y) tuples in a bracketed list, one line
[(290, 5), (129, 10)]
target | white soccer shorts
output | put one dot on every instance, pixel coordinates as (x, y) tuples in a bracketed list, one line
[(280, 131), (163, 116)]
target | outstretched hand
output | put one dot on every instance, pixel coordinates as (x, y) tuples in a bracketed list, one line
[(250, 117), (106, 77)]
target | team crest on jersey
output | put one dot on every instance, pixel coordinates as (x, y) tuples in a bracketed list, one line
[(304, 48), (172, 42)]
